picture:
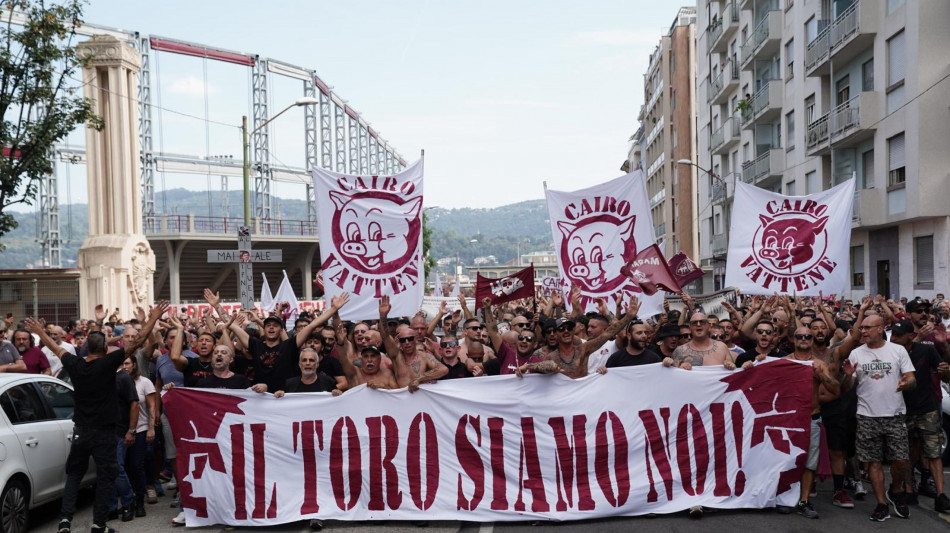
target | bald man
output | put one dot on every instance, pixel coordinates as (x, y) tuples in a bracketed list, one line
[(701, 350)]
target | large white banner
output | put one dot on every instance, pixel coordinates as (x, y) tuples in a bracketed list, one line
[(790, 244), (597, 231), (636, 440), (371, 240)]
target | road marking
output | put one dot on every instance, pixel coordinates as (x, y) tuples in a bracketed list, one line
[(486, 528)]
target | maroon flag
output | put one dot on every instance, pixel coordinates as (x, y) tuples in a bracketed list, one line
[(501, 290), (650, 271), (684, 269)]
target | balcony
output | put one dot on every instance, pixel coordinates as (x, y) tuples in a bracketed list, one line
[(717, 38), (845, 38), (816, 137), (725, 84), (764, 168), (724, 138), (765, 40), (654, 97), (766, 103), (723, 190), (656, 164), (854, 121), (660, 230), (654, 132), (720, 244)]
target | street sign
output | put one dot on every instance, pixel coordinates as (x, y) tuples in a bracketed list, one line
[(245, 257)]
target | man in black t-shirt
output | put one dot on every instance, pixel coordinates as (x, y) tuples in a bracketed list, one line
[(128, 414), (311, 379), (450, 358), (636, 352), (761, 347), (94, 417), (328, 365), (194, 369), (221, 375)]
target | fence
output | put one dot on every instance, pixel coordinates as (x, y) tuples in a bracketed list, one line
[(56, 301)]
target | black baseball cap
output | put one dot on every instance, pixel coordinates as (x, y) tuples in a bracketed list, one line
[(902, 327), (273, 318), (917, 304)]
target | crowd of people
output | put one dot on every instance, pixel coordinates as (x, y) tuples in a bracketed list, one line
[(877, 367)]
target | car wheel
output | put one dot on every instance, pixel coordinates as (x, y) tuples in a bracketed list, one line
[(14, 507)]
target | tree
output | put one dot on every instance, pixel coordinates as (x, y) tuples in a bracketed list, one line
[(428, 261), (39, 109)]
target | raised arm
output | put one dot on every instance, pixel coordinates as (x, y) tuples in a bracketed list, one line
[(174, 353), (464, 304), (154, 314), (434, 323), (214, 300), (242, 336), (594, 344), (389, 344), (336, 303), (491, 325)]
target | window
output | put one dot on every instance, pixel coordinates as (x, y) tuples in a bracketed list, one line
[(811, 30), (789, 59), (896, 160), (673, 99), (790, 129), (896, 59), (812, 183), (718, 224), (790, 188), (857, 267), (924, 262), (867, 162), (892, 5), (672, 63), (673, 134), (867, 75), (22, 404), (843, 89), (810, 109), (59, 398)]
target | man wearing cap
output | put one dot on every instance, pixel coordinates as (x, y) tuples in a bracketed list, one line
[(570, 359), (924, 421), (926, 333), (882, 371), (668, 338), (411, 365), (701, 349)]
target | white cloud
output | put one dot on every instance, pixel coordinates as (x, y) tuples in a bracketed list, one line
[(191, 86), (616, 37)]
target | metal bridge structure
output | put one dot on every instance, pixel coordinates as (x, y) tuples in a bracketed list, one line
[(333, 135)]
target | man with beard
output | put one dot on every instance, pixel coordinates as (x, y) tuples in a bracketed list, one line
[(370, 371), (837, 410), (330, 366), (667, 340), (411, 365), (274, 359), (823, 385), (637, 351), (221, 375), (764, 346), (34, 362), (570, 358), (702, 350), (194, 369), (10, 359), (882, 371), (518, 359), (924, 422), (58, 335), (311, 379), (937, 336)]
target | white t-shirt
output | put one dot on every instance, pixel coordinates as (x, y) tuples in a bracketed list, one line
[(144, 387), (599, 358), (877, 372), (55, 365)]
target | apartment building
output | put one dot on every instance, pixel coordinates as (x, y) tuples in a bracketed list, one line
[(797, 96), (668, 133)]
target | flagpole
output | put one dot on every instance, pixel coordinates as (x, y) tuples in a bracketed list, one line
[(534, 293)]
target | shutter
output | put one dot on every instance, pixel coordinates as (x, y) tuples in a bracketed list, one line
[(896, 59), (925, 259), (895, 152)]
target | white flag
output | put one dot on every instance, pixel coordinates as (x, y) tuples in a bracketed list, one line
[(285, 293), (371, 240), (437, 284), (597, 231), (267, 299), (790, 244)]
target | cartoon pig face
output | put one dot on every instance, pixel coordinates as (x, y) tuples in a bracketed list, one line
[(789, 241), (368, 234), (586, 252)]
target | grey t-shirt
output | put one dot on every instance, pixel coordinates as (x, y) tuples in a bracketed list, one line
[(8, 353)]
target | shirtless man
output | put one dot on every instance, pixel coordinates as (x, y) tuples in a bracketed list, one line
[(701, 350), (824, 385), (411, 365), (371, 372), (569, 358)]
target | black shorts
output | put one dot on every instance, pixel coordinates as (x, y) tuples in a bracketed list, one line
[(840, 430)]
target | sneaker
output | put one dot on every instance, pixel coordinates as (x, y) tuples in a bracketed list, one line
[(859, 491), (881, 513), (900, 506), (165, 476), (813, 493), (927, 487), (127, 514), (910, 498), (150, 495), (696, 512), (942, 503), (101, 529), (179, 520), (177, 501), (316, 525), (806, 509), (842, 500), (849, 484), (64, 526), (784, 509), (170, 485)]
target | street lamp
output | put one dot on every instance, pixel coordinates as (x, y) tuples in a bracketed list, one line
[(711, 173), (306, 100)]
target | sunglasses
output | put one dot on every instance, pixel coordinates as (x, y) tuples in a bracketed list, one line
[(565, 327), (519, 325), (475, 328), (803, 337), (528, 338), (718, 337), (407, 339), (449, 344), (686, 335), (764, 331), (698, 322)]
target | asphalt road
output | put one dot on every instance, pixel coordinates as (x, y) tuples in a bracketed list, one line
[(922, 518)]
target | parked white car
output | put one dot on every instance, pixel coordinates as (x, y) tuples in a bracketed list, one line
[(36, 428)]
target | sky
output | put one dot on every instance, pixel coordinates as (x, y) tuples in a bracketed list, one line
[(501, 95)]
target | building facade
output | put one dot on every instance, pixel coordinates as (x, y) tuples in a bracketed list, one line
[(797, 96), (668, 133)]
